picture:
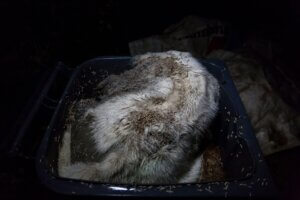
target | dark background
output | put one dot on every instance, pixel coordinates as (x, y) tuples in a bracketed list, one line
[(35, 35)]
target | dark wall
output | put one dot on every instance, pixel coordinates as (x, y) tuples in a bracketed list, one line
[(90, 28), (36, 34)]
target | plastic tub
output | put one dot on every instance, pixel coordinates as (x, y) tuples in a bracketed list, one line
[(244, 166)]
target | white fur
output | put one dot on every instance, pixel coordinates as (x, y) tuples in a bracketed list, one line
[(188, 96), (111, 112), (64, 158), (193, 175)]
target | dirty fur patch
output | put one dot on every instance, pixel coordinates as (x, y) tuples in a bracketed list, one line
[(148, 126)]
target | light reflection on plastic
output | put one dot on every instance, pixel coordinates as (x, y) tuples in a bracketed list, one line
[(118, 188)]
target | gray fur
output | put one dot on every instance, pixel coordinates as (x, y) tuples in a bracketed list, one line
[(149, 125)]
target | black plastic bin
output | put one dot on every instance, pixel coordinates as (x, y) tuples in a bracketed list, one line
[(246, 172)]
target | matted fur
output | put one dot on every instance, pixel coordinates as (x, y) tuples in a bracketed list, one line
[(148, 126)]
